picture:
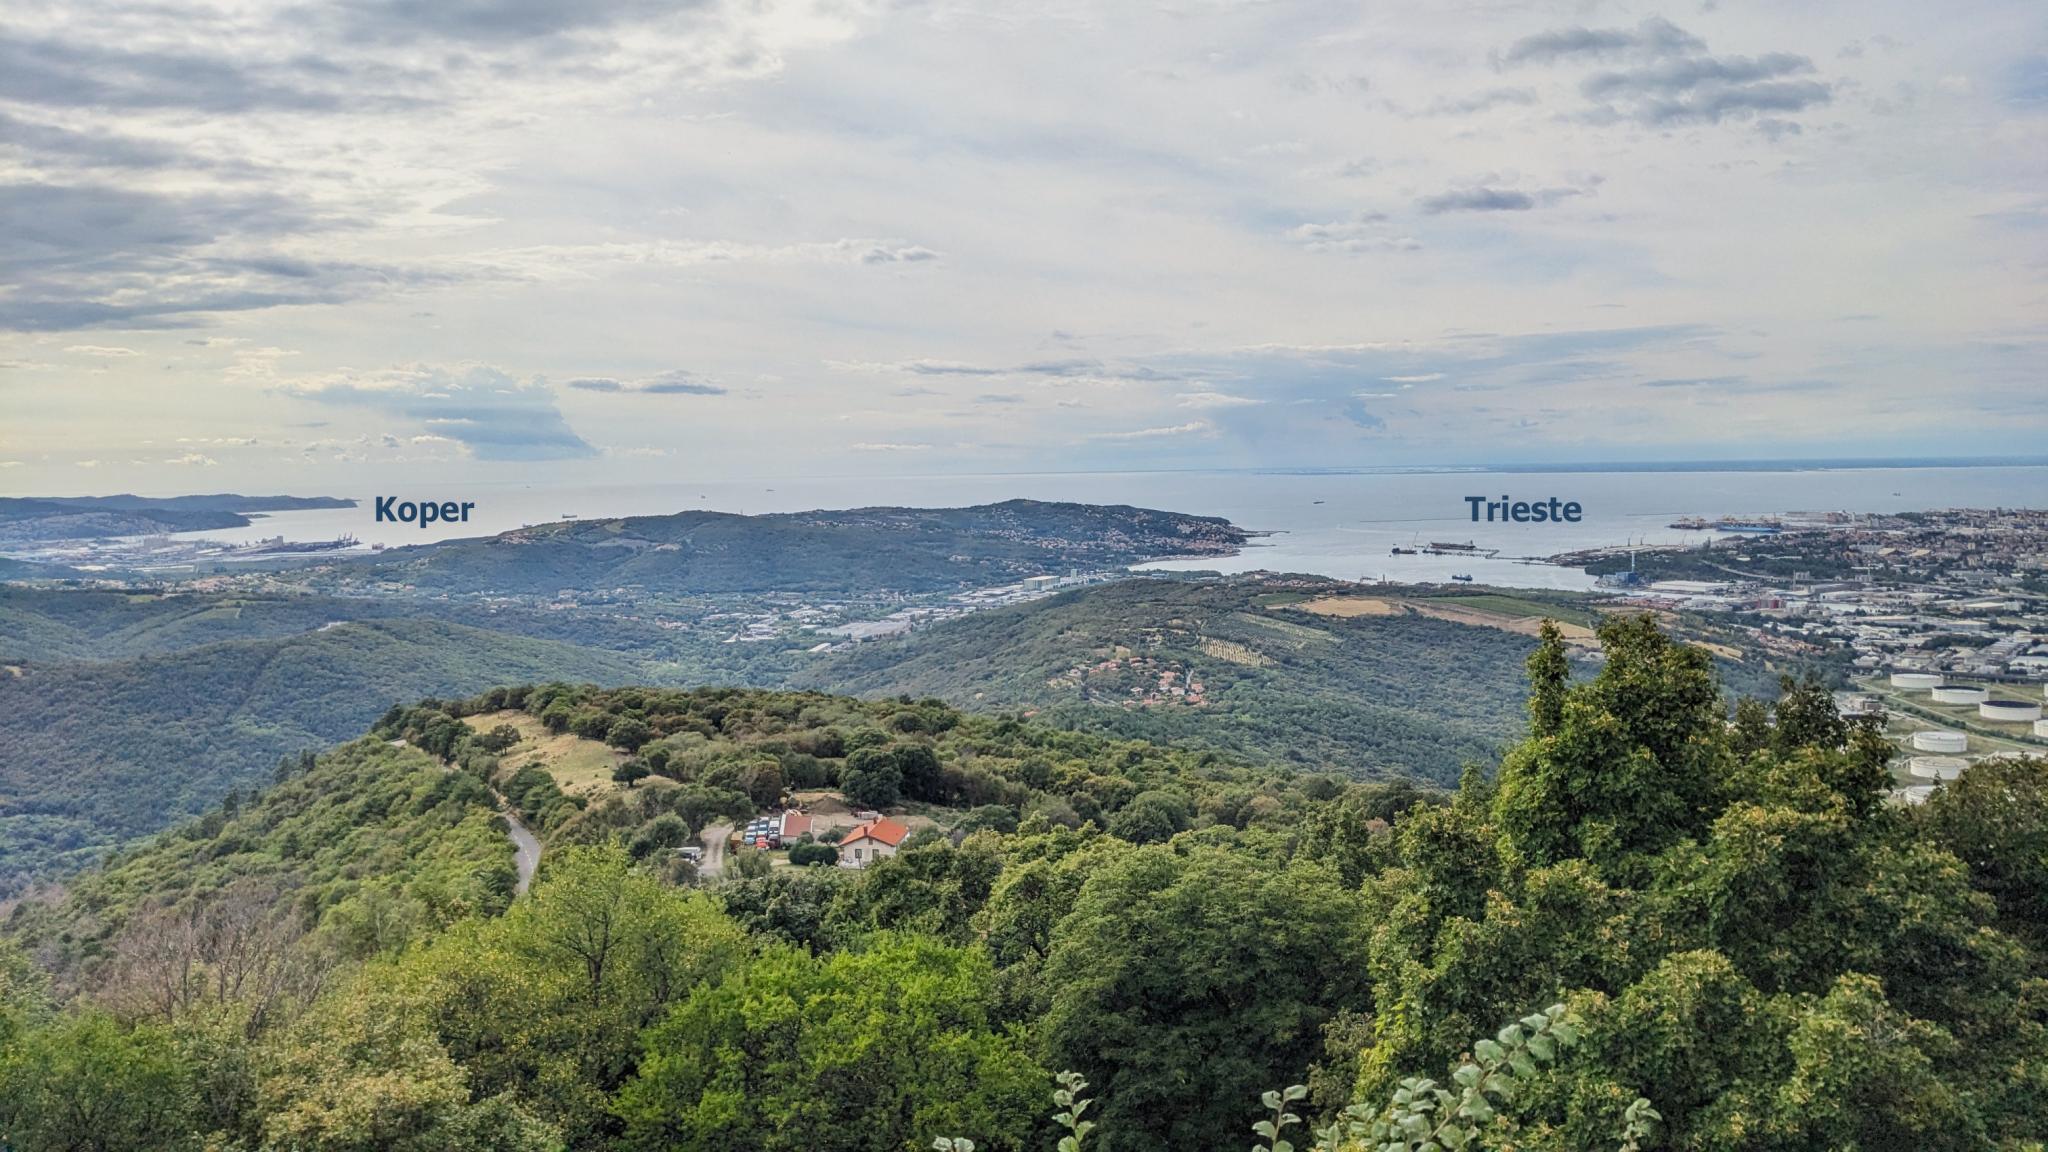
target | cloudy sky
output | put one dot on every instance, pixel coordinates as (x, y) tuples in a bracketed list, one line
[(295, 245)]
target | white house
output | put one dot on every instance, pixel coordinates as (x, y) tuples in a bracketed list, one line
[(866, 843)]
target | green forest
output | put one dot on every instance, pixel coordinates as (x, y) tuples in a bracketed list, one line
[(1377, 696), (1641, 927), (825, 552), (132, 710)]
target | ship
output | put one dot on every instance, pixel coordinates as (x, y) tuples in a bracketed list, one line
[(1691, 524), (1440, 546), (1400, 551), (1749, 527), (1459, 576)]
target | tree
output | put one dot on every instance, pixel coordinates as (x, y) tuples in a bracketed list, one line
[(629, 733), (1549, 671), (810, 853), (85, 1083), (1182, 984), (877, 1049), (1151, 818), (871, 781), (1995, 819), (630, 773), (1636, 761)]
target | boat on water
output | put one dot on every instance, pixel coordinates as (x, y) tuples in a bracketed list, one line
[(1400, 551), (1467, 546), (1461, 577)]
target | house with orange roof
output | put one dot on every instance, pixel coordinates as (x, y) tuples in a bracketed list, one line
[(795, 826), (866, 843)]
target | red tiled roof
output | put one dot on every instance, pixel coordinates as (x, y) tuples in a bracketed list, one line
[(794, 824), (886, 830)]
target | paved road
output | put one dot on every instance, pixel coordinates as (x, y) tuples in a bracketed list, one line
[(714, 837), (525, 848), (525, 845)]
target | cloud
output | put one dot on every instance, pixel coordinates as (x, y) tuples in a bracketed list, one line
[(1367, 233), (1674, 80), (100, 256), (1418, 378), (1187, 429), (193, 458), (1485, 199), (1480, 101), (1215, 400), (868, 446), (1696, 382), (491, 414), (1708, 89), (103, 351), (672, 383), (1653, 37)]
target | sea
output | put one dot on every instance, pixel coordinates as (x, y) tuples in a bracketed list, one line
[(1342, 524)]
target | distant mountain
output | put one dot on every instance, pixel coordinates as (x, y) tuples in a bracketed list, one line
[(92, 754), (37, 520), (1369, 696), (827, 552)]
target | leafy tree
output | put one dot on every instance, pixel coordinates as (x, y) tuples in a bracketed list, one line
[(86, 1083), (1635, 763), (631, 772), (1181, 983), (629, 733), (877, 1049), (871, 780), (811, 854), (1152, 817)]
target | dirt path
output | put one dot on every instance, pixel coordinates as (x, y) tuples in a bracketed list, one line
[(714, 837)]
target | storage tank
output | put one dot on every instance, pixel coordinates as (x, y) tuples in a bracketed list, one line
[(1914, 793), (2041, 727), (1960, 694), (1936, 767), (2009, 711), (1916, 681), (1938, 740)]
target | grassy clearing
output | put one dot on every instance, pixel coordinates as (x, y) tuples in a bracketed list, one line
[(1345, 607), (1517, 607), (1234, 653), (580, 767)]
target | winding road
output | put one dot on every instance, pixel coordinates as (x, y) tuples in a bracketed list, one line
[(525, 847)]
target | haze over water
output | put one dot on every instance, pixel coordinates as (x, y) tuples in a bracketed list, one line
[(1343, 525)]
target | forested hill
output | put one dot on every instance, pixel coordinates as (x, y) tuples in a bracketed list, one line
[(1646, 929), (93, 754), (855, 550), (1233, 664), (28, 520)]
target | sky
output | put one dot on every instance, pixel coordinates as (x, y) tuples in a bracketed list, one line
[(338, 244)]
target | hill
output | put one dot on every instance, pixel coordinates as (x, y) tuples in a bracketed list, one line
[(855, 550), (92, 754), (1648, 928), (369, 841), (1230, 664), (36, 520)]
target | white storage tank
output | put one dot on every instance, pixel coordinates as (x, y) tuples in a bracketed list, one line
[(1960, 694), (2009, 711), (2041, 727), (1914, 793), (1936, 767), (1916, 681), (1938, 740)]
